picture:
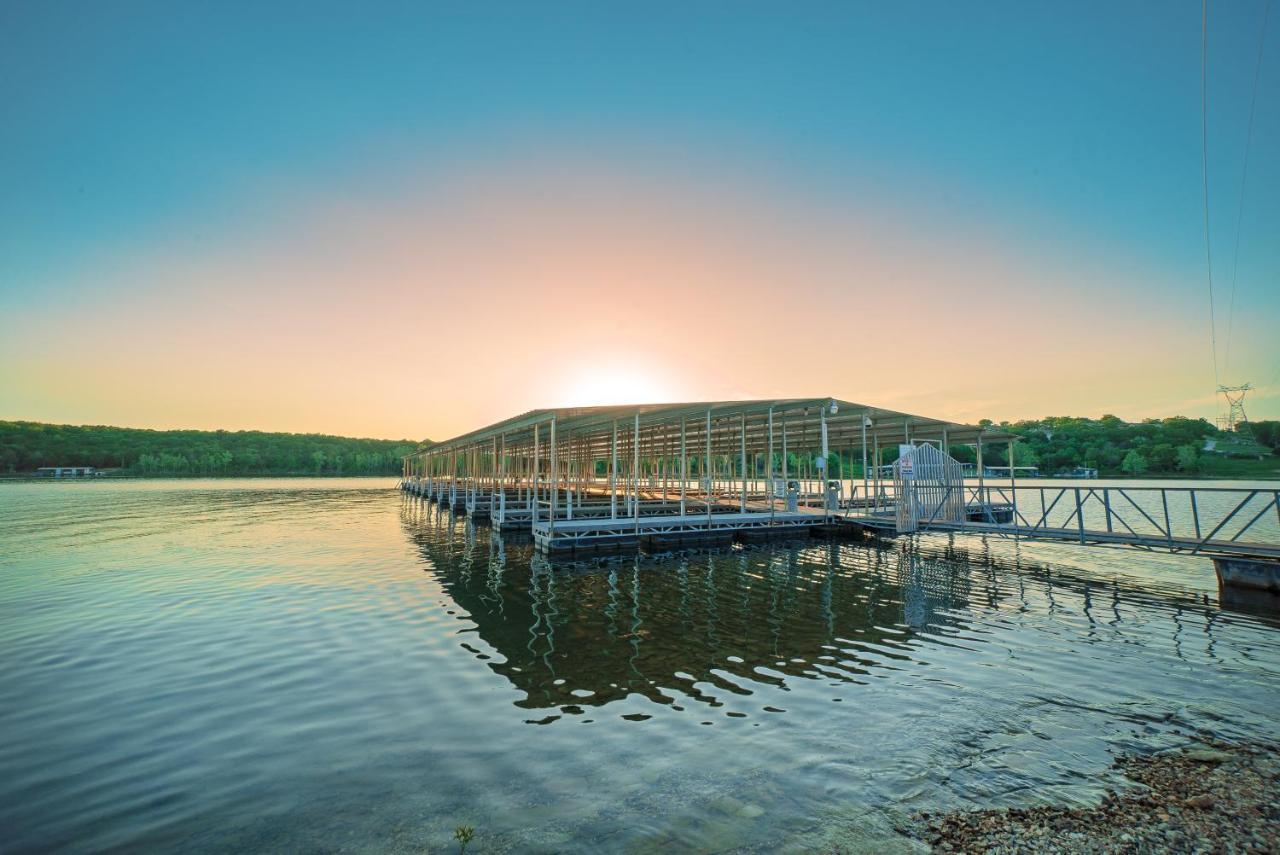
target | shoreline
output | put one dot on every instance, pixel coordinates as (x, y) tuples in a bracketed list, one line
[(1213, 796)]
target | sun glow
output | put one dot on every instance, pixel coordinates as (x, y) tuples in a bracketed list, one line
[(604, 385)]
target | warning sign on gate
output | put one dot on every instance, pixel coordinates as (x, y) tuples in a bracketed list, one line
[(906, 460)]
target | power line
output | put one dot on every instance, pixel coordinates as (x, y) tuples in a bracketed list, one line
[(1204, 173), (1244, 173)]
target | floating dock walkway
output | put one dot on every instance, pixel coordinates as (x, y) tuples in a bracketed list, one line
[(659, 476)]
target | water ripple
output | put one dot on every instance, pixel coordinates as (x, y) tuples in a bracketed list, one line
[(272, 664)]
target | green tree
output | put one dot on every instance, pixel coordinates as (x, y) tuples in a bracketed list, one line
[(1023, 455), (1134, 463), (1162, 457), (1189, 458), (1266, 433)]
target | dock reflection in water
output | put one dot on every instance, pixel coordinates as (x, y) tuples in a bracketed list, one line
[(704, 629), (708, 623)]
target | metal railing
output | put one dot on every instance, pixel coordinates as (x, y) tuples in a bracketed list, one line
[(1238, 520)]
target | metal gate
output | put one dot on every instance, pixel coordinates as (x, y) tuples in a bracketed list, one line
[(929, 486)]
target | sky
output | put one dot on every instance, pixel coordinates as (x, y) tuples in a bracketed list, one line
[(408, 220)]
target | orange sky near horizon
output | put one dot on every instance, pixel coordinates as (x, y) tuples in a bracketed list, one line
[(422, 303)]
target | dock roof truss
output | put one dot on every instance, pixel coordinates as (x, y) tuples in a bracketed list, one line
[(593, 427)]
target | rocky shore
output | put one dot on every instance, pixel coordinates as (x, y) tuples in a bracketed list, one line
[(1210, 797)]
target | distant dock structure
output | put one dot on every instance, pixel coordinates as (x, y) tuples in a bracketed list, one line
[(67, 472), (582, 480)]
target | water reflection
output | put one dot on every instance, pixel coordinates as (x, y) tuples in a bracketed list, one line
[(703, 628)]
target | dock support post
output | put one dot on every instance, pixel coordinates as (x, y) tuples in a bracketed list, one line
[(533, 486), (1013, 488), (742, 433), (666, 463), (784, 456), (982, 483), (773, 493), (825, 472), (635, 473), (613, 474), (571, 471), (684, 465), (864, 457), (555, 484), (706, 469), (879, 487), (1079, 515)]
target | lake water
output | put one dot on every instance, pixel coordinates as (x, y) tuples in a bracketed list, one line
[(330, 665)]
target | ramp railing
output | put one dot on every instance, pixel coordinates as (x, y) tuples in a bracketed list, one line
[(1221, 520)]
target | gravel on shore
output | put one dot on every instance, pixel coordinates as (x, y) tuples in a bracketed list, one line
[(1211, 797)]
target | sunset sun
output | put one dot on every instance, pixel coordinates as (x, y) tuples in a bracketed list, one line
[(607, 384)]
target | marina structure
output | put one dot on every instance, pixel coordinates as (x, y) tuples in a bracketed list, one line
[(67, 472), (625, 475), (661, 476)]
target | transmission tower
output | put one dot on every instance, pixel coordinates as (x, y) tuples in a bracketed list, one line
[(1235, 406)]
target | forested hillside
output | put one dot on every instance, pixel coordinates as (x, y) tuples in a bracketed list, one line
[(1174, 445), (24, 446)]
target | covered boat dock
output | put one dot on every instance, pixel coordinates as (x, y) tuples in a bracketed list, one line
[(584, 479)]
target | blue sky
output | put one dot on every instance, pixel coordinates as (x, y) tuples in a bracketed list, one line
[(130, 127)]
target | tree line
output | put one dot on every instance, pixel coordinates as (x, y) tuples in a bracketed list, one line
[(1054, 444), (1114, 447), (1151, 446), (26, 446)]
